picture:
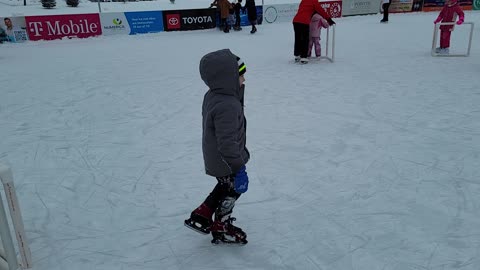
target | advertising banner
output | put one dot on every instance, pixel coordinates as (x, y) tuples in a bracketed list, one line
[(417, 5), (399, 6), (286, 12), (333, 8), (279, 13), (114, 23), (437, 5), (143, 22), (476, 4), (192, 19), (360, 7), (60, 26), (13, 29), (244, 17)]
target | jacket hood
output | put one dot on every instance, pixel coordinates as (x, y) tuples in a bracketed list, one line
[(219, 71)]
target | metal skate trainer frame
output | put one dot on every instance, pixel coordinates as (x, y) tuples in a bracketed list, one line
[(435, 37), (8, 257), (333, 44)]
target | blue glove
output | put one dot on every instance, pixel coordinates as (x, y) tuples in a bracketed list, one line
[(241, 180)]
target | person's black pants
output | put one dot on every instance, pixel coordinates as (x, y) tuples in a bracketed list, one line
[(302, 33), (385, 11), (223, 196), (225, 24), (237, 20)]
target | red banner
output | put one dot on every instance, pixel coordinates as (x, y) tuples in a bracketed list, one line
[(60, 26), (333, 8)]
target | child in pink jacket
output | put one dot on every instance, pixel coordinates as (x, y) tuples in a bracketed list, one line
[(316, 25), (448, 14)]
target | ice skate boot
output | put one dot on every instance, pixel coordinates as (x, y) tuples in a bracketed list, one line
[(200, 219), (304, 61), (297, 59), (226, 233)]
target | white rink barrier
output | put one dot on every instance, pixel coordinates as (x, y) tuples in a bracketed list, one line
[(435, 38), (328, 56), (10, 257)]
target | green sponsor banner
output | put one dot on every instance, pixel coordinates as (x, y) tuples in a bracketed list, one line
[(476, 4)]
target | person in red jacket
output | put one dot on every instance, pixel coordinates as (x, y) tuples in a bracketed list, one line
[(448, 14), (301, 27)]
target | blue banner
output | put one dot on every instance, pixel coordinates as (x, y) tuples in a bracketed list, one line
[(243, 17), (143, 22)]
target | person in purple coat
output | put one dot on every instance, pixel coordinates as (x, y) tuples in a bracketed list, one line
[(316, 25)]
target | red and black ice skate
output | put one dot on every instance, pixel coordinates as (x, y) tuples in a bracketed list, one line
[(226, 233), (200, 219)]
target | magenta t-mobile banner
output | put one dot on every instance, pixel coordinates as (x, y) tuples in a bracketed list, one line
[(61, 26)]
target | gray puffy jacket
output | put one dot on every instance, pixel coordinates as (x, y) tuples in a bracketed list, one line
[(224, 124)]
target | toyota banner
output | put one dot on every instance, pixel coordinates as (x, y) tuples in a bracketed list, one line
[(192, 19)]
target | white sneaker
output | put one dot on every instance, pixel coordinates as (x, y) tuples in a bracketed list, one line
[(304, 60)]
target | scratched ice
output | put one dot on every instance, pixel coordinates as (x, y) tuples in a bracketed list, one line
[(369, 163)]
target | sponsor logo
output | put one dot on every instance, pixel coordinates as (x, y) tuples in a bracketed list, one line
[(58, 28), (117, 21), (334, 9), (271, 14), (173, 21), (197, 20), (476, 4), (117, 25), (360, 5)]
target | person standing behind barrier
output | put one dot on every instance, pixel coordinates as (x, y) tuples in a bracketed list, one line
[(385, 6), (316, 25), (448, 14), (252, 14), (237, 8), (231, 16), (225, 7), (301, 27)]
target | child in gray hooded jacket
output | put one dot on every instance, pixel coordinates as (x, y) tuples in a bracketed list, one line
[(224, 146)]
